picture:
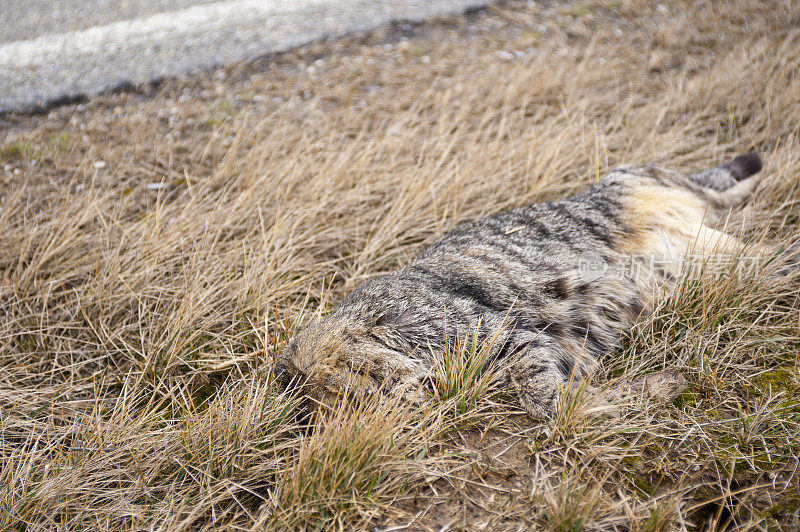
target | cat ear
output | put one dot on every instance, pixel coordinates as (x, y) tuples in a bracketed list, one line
[(398, 319), (405, 327)]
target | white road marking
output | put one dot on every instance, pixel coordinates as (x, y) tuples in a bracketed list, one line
[(88, 61), (192, 20)]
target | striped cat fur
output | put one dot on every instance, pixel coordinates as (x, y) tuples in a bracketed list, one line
[(516, 277)]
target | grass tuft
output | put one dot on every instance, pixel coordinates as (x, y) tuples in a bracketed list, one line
[(467, 373)]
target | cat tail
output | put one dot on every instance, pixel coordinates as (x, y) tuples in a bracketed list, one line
[(725, 176)]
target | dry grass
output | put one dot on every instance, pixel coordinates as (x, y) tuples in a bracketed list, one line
[(138, 324)]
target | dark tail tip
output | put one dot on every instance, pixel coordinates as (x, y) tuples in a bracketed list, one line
[(744, 165)]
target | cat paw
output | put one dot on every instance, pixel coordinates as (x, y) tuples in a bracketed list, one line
[(663, 386)]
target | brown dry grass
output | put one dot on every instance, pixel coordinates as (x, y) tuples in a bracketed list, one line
[(138, 326)]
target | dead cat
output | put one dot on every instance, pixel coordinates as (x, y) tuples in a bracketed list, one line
[(554, 283)]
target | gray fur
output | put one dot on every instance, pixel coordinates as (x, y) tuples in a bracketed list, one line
[(516, 273)]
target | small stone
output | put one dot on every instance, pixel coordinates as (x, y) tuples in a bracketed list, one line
[(505, 56)]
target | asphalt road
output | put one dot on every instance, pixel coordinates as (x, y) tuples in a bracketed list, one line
[(55, 50)]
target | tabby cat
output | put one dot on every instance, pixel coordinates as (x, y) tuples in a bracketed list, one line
[(554, 284)]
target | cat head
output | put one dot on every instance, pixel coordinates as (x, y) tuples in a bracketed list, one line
[(353, 356)]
